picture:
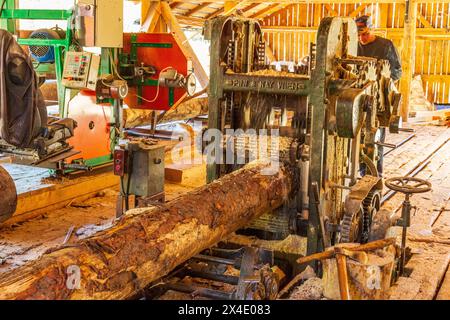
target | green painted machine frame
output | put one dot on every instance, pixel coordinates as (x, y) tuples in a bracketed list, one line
[(323, 86), (10, 14)]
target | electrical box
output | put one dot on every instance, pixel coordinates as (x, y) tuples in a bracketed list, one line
[(99, 23), (120, 162), (80, 70), (145, 176)]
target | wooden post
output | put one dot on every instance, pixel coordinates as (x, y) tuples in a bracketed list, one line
[(408, 55), (150, 13), (230, 7)]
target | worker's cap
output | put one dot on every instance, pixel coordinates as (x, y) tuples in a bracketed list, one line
[(364, 24)]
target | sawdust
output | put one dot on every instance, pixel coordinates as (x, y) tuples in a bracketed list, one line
[(311, 289), (28, 240)]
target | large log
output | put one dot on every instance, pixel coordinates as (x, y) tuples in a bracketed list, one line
[(144, 246), (8, 195)]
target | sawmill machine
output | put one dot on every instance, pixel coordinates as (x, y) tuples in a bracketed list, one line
[(330, 115), (142, 71), (100, 72)]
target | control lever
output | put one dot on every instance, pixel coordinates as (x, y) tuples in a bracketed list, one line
[(316, 198), (408, 186)]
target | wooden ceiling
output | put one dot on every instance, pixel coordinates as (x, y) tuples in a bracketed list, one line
[(194, 13)]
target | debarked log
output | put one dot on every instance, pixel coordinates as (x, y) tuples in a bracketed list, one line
[(144, 246)]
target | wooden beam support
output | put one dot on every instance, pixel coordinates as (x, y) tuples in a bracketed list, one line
[(358, 10), (263, 12), (149, 21), (317, 14), (173, 5), (183, 42), (424, 21), (214, 14), (230, 7), (421, 33), (197, 8), (331, 11), (408, 56), (250, 7), (270, 55), (384, 15), (321, 1), (190, 21)]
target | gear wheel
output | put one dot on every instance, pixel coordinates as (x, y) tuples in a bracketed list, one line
[(371, 205), (352, 227)]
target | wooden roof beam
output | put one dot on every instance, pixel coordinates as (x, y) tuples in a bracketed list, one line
[(358, 10), (231, 6), (268, 10), (250, 7), (320, 1), (173, 5), (194, 21), (184, 44), (215, 13), (197, 8), (151, 18)]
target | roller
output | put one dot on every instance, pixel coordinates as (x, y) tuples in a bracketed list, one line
[(8, 195)]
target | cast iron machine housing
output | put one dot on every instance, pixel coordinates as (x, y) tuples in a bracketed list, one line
[(336, 107)]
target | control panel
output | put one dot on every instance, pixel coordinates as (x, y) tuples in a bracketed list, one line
[(120, 162), (80, 70)]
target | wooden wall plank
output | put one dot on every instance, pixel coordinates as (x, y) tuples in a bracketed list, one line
[(432, 51)]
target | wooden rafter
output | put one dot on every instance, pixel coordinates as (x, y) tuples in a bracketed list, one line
[(151, 18), (215, 13), (250, 7), (192, 21), (265, 11), (183, 42), (230, 7), (197, 8), (424, 21), (174, 5), (358, 10), (322, 1), (331, 10)]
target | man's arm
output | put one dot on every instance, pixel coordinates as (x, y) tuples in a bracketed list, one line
[(394, 60)]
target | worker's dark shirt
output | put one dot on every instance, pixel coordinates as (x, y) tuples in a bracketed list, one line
[(383, 48)]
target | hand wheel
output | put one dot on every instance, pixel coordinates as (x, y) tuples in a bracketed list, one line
[(408, 185)]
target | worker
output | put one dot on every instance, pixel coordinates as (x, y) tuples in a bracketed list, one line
[(371, 45)]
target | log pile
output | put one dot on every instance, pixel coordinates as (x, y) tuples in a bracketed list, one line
[(146, 245)]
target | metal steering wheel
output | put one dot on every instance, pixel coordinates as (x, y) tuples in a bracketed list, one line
[(408, 185)]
